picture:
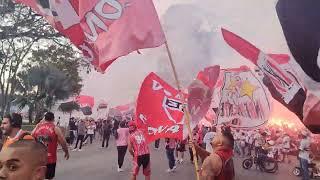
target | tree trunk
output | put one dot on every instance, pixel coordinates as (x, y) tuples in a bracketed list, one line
[(39, 110), (30, 113)]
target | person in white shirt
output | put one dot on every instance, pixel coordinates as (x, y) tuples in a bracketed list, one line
[(304, 155), (286, 145), (249, 142), (90, 131), (208, 139), (259, 141), (236, 136), (242, 143)]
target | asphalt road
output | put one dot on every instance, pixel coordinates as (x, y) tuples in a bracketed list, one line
[(94, 163)]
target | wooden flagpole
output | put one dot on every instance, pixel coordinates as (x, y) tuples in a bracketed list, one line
[(186, 111)]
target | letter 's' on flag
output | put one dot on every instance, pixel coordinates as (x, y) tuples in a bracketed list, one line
[(103, 29), (159, 109)]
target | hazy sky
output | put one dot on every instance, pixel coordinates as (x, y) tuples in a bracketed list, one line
[(193, 33)]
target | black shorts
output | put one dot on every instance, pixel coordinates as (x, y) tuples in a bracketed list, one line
[(181, 148), (144, 161), (51, 171)]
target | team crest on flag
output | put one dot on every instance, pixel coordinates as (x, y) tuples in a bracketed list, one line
[(159, 109), (243, 102)]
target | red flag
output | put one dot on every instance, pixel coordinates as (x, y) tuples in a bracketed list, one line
[(311, 112), (84, 100), (86, 104), (103, 29), (102, 105), (200, 94), (159, 109)]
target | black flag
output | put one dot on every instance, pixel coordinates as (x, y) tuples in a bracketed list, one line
[(300, 21)]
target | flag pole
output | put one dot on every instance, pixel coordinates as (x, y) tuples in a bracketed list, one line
[(186, 111)]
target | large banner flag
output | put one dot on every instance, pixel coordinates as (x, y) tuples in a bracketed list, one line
[(311, 110), (244, 102), (282, 84), (103, 29), (127, 111), (301, 27), (279, 78), (102, 105), (159, 109), (86, 104), (200, 94)]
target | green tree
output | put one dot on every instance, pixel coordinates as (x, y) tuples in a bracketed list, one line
[(40, 87), (69, 107), (25, 35)]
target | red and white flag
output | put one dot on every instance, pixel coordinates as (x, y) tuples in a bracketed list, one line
[(103, 29), (200, 94), (159, 109), (86, 104), (243, 101), (281, 80)]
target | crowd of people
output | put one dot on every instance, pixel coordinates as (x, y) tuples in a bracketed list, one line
[(215, 147)]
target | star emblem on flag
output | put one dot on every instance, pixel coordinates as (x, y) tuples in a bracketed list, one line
[(247, 89)]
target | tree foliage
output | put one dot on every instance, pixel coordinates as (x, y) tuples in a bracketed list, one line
[(26, 39), (40, 87)]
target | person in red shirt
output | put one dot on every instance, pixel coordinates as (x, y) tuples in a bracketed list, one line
[(50, 135), (139, 149), (218, 165)]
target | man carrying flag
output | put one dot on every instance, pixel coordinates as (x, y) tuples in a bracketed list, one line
[(139, 149)]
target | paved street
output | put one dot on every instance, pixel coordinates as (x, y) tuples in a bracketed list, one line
[(95, 163)]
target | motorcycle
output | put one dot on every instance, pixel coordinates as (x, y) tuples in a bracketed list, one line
[(297, 171), (262, 161)]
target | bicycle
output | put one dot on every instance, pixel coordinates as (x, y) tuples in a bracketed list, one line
[(262, 161)]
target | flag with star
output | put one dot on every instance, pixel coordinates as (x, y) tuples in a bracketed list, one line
[(281, 80), (244, 102)]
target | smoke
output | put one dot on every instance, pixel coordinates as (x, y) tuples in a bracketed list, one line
[(189, 40), (194, 36)]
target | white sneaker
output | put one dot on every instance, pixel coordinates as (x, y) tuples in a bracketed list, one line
[(174, 167), (177, 161), (170, 170), (74, 150), (181, 161), (120, 170), (80, 150)]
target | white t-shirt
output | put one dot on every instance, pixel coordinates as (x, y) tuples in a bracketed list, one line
[(91, 129), (242, 140), (286, 142), (208, 139), (304, 149), (258, 140)]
